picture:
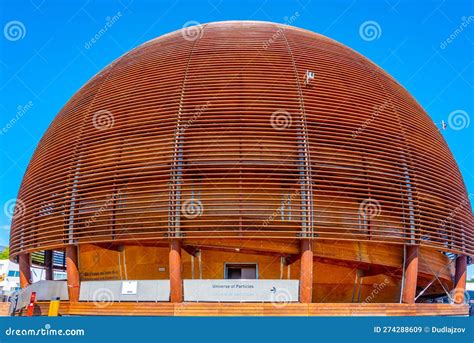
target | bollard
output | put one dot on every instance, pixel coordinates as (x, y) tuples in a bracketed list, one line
[(54, 307)]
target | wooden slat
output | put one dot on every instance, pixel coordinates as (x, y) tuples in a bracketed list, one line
[(256, 309)]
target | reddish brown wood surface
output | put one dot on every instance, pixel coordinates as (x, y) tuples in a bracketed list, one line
[(4, 309), (410, 274), (179, 120), (249, 309), (460, 279), (72, 270), (25, 270), (306, 271), (176, 280)]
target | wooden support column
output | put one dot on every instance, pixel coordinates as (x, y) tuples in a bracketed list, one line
[(48, 264), (306, 271), (72, 272), (460, 279), (25, 269), (411, 274), (176, 282)]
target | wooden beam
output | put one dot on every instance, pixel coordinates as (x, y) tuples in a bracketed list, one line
[(280, 247), (411, 274), (460, 279), (290, 259), (176, 281), (344, 263), (113, 246), (72, 272), (48, 264), (191, 250), (25, 269), (306, 271), (366, 252), (119, 245), (231, 250)]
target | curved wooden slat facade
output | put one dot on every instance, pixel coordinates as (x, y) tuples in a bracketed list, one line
[(218, 135)]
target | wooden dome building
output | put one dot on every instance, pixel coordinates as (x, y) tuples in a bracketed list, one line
[(245, 168)]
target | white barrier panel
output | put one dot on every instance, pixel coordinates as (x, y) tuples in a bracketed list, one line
[(276, 291), (135, 290), (45, 290)]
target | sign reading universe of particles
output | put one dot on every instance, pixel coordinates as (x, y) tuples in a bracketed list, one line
[(277, 291)]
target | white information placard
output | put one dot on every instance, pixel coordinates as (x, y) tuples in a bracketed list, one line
[(116, 290), (129, 287)]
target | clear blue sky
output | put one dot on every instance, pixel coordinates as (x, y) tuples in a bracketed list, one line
[(46, 61)]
